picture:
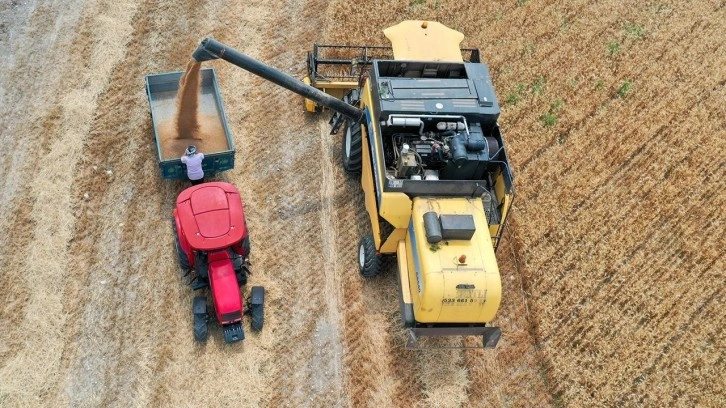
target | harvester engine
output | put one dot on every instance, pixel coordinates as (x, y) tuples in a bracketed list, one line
[(449, 150)]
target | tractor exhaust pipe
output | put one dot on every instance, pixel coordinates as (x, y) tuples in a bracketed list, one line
[(210, 49)]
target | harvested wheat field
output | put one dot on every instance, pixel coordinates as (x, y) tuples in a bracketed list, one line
[(612, 266)]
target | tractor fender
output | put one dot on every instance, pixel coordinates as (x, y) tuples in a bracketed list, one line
[(183, 239), (258, 295), (199, 305)]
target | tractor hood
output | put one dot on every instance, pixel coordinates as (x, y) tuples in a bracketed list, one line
[(211, 215)]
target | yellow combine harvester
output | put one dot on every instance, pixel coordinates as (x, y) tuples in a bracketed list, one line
[(421, 130)]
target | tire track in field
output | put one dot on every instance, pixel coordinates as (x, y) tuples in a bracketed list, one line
[(52, 209), (331, 333), (30, 121), (366, 360), (281, 158), (111, 360), (27, 97), (12, 252)]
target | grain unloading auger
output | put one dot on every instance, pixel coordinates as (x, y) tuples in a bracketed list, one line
[(421, 130)]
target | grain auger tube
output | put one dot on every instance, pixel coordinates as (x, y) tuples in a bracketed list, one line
[(210, 49)]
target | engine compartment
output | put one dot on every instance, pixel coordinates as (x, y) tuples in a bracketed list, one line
[(440, 147)]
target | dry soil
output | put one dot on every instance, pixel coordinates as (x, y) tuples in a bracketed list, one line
[(612, 267)]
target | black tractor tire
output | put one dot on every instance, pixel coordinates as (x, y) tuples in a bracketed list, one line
[(369, 261), (201, 266), (352, 148), (258, 317), (200, 328), (181, 255), (257, 308), (246, 245), (199, 309)]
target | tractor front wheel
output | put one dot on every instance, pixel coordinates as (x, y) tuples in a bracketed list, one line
[(369, 261), (352, 148)]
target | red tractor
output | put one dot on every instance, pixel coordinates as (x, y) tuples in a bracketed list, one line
[(212, 240)]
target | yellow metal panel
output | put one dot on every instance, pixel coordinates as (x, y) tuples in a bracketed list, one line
[(403, 270), (346, 85), (413, 272), (396, 209), (393, 207), (390, 246), (506, 206), (417, 40), (504, 199), (367, 175), (369, 189), (310, 105), (375, 157), (452, 291)]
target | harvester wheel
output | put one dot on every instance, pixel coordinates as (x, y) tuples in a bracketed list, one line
[(199, 308), (183, 260), (369, 261), (257, 308), (352, 148)]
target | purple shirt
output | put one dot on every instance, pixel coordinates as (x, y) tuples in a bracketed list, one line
[(194, 165)]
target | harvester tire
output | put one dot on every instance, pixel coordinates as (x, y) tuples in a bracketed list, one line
[(352, 148), (369, 261), (183, 260), (257, 308)]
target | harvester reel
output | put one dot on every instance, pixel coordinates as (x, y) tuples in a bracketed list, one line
[(369, 261)]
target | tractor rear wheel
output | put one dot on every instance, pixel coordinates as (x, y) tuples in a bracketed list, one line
[(352, 148), (369, 261), (183, 260), (257, 308), (199, 308)]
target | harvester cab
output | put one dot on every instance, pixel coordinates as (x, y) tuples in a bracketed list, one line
[(421, 130)]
